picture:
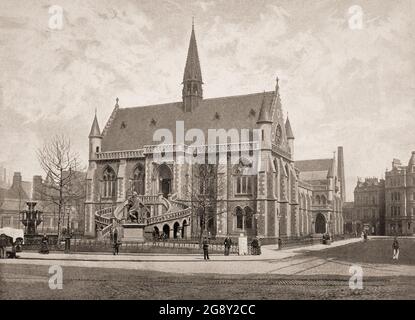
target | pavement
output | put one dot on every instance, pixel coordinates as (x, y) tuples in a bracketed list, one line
[(271, 261)]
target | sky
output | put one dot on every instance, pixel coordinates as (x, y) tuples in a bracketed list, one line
[(346, 69)]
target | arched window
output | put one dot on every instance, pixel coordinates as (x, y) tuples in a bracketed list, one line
[(318, 201), (323, 200), (239, 218), (109, 180), (139, 180)]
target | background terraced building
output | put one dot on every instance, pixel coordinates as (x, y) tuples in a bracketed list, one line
[(283, 199)]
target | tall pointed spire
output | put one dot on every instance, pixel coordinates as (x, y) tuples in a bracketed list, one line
[(288, 129), (192, 70), (192, 77), (95, 131)]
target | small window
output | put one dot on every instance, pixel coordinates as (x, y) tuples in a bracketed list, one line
[(97, 149)]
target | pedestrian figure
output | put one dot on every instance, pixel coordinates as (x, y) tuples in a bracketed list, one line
[(279, 244), (395, 247), (3, 244), (256, 247), (228, 244), (116, 243), (44, 245), (206, 249)]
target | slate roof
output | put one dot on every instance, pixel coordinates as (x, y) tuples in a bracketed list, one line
[(133, 128), (316, 169)]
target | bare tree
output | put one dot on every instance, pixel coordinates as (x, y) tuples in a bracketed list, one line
[(63, 173), (205, 190)]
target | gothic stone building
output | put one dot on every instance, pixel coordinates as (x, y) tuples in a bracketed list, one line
[(282, 199)]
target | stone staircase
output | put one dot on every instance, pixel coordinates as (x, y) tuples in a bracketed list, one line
[(173, 209)]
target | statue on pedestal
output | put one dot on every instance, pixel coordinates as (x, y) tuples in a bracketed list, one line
[(135, 209)]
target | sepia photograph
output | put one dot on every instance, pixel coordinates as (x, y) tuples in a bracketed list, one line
[(207, 154)]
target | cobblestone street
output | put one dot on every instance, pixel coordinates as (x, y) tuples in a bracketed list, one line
[(317, 272)]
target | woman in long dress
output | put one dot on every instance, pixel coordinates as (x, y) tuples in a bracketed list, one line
[(44, 245)]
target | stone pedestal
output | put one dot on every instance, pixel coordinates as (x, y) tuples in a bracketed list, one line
[(133, 232), (243, 245)]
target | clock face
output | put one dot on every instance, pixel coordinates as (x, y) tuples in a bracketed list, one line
[(278, 135)]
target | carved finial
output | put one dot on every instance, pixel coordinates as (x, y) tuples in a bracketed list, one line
[(95, 111), (193, 22), (116, 102), (277, 86)]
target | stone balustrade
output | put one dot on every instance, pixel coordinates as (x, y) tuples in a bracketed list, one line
[(115, 155), (169, 216)]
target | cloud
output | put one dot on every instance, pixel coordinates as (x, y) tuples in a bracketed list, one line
[(340, 86)]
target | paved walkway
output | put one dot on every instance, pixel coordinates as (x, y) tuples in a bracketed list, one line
[(271, 261)]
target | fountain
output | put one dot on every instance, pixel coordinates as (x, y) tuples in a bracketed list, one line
[(31, 218)]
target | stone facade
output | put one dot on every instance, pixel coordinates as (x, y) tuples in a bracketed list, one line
[(386, 207), (270, 202), (400, 198), (369, 207)]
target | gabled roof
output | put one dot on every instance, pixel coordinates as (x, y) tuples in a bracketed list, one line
[(314, 165), (133, 128), (313, 170)]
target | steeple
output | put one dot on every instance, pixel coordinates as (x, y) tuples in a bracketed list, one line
[(95, 131), (288, 129), (290, 136), (192, 78), (95, 139)]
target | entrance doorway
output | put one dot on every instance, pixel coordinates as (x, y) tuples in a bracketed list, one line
[(320, 223), (166, 231), (176, 230), (165, 176)]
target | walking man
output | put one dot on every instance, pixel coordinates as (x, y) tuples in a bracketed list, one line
[(3, 244), (227, 243), (395, 247), (115, 242), (206, 249)]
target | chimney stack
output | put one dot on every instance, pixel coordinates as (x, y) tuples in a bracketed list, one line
[(340, 173), (37, 188), (17, 180)]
